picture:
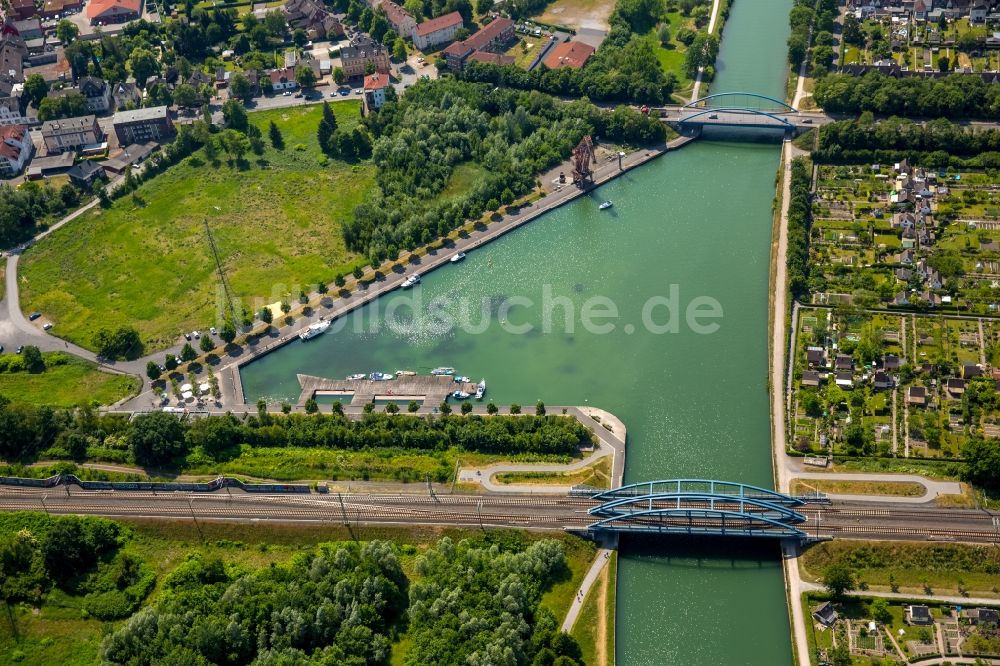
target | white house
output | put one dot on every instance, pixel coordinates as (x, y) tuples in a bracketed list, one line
[(437, 31), (15, 150)]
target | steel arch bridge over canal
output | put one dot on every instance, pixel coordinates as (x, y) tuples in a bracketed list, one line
[(700, 507), (740, 109)]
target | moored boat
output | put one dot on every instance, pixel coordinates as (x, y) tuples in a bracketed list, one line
[(461, 378), (411, 281), (461, 395), (357, 375), (457, 257), (405, 373), (606, 205), (313, 330), (380, 376), (481, 389), (443, 371)]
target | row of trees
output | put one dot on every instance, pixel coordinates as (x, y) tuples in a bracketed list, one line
[(938, 143), (799, 224), (441, 124), (34, 203), (159, 439), (817, 20), (954, 96)]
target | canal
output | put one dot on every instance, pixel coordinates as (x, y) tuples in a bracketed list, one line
[(690, 230)]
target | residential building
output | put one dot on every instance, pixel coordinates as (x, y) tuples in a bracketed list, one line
[(844, 380), (16, 149), (10, 106), (313, 17), (816, 357), (133, 155), (399, 18), (437, 31), (126, 94), (104, 12), (569, 54), (919, 615), (59, 8), (978, 11), (43, 167), (981, 615), (142, 125), (881, 381), (374, 90), (12, 54), (916, 395), (955, 386), (283, 79), (85, 173), (811, 378), (492, 38), (355, 59), (499, 59), (825, 614), (95, 90), (71, 133), (22, 9), (30, 28), (843, 362)]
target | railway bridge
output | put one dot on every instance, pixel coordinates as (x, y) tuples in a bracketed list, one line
[(740, 110), (696, 507)]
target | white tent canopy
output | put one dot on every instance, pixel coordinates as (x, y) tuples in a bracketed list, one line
[(187, 395), (185, 387), (204, 388)]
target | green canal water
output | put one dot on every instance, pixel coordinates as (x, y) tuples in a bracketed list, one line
[(691, 227)]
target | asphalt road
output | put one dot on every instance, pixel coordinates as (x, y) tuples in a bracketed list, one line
[(854, 520)]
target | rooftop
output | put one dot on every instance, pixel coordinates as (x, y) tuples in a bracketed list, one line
[(97, 7), (569, 54), (137, 115), (439, 23)]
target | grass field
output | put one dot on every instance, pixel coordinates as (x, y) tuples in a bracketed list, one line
[(276, 224), (895, 488), (915, 568), (597, 475), (75, 383), (58, 632)]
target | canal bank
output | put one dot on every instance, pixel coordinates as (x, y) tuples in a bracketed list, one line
[(696, 224)]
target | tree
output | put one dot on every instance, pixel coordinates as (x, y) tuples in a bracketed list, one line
[(265, 315), (339, 281), (838, 579), (276, 139), (228, 332), (944, 64), (124, 341), (156, 438), (170, 362), (311, 406), (67, 31), (339, 76), (515, 408), (392, 408), (185, 95), (239, 86), (466, 407), (299, 37), (445, 408), (142, 64), (701, 53), (188, 353), (540, 408), (663, 34), (982, 461), (33, 361), (880, 612), (286, 307), (153, 371), (491, 408), (206, 343), (235, 115), (35, 89), (357, 272), (274, 21), (305, 76), (858, 439), (841, 656), (235, 143), (413, 407), (399, 49)]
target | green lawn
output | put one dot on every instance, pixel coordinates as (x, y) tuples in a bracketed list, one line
[(276, 224), (74, 383)]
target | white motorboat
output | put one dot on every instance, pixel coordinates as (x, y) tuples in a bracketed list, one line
[(443, 371), (357, 375), (405, 373), (461, 395), (381, 376), (481, 389), (606, 205), (411, 281), (461, 378), (314, 329), (457, 257)]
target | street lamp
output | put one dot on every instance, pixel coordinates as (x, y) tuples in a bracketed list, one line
[(621, 156)]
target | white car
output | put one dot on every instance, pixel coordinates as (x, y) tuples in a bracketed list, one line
[(286, 94), (196, 334), (213, 330)]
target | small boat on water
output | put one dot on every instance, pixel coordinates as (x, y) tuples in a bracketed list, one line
[(606, 205), (405, 373), (461, 378), (443, 371), (314, 329), (457, 257), (381, 376), (411, 281), (481, 389), (357, 375), (461, 395)]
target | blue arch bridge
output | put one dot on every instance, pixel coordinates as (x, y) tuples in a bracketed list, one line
[(700, 507), (740, 109)]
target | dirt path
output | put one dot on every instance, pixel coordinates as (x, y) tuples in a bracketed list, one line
[(601, 634)]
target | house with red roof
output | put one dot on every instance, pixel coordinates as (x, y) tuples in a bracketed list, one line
[(16, 149), (437, 31), (569, 54), (105, 12), (492, 38), (374, 89)]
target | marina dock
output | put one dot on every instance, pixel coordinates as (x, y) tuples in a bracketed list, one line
[(432, 390)]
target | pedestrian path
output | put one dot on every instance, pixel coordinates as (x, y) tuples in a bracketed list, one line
[(600, 561)]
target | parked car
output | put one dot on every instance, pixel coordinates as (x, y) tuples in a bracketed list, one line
[(187, 336), (214, 332), (47, 326), (34, 315), (20, 348), (286, 94), (196, 334)]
